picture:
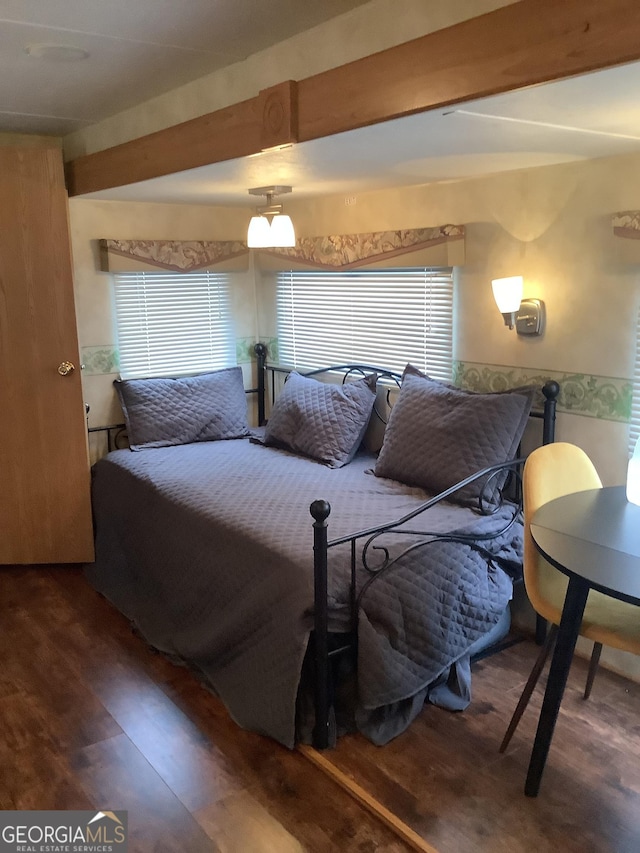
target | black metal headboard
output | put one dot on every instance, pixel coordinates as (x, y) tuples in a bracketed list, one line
[(547, 414), (116, 433)]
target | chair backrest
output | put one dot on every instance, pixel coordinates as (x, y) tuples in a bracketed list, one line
[(551, 471)]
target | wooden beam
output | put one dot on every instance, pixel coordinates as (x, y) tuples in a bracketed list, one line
[(222, 135), (279, 112), (266, 121), (525, 43)]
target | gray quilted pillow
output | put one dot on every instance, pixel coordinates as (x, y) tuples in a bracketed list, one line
[(438, 435), (162, 412), (321, 420)]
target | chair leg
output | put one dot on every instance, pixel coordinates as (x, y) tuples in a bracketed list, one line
[(541, 629), (530, 685), (593, 667)]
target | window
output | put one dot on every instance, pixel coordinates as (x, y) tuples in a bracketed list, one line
[(173, 324), (634, 428), (379, 317)]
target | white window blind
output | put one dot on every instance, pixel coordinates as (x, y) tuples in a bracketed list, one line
[(379, 317), (634, 428), (173, 324)]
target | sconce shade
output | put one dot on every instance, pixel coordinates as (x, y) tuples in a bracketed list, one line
[(508, 293), (282, 233), (259, 233)]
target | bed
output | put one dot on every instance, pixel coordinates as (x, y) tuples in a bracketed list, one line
[(314, 585)]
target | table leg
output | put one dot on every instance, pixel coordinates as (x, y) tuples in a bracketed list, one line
[(572, 612)]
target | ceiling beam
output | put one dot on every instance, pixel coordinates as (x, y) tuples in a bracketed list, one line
[(523, 44)]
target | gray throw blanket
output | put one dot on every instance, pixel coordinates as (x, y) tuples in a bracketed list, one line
[(207, 548)]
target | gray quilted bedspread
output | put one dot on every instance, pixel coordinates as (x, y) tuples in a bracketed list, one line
[(207, 548)]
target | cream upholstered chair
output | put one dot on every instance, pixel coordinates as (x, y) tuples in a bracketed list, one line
[(552, 471)]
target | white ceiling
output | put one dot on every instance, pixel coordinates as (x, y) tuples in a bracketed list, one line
[(140, 48), (137, 49)]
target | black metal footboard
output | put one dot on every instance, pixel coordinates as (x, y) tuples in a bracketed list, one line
[(360, 544)]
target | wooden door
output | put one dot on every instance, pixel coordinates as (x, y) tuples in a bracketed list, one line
[(45, 512)]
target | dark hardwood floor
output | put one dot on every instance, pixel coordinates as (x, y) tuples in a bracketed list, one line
[(91, 718)]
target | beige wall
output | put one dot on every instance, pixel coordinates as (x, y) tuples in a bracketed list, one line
[(551, 224)]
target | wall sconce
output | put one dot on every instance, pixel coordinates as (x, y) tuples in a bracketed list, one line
[(527, 315), (274, 232)]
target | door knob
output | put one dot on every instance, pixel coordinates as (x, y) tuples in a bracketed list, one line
[(65, 368)]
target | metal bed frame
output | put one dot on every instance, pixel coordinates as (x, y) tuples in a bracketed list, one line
[(367, 544)]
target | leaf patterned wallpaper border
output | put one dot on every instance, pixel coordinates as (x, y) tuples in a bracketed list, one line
[(99, 360), (103, 360), (584, 394), (245, 353)]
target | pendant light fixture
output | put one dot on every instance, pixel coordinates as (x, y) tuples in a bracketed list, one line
[(270, 227)]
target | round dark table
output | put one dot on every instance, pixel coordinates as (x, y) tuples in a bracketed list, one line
[(593, 537)]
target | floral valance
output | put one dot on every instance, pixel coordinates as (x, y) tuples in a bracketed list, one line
[(627, 224), (439, 246), (626, 252), (174, 255)]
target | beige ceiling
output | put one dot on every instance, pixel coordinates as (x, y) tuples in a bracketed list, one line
[(141, 48), (137, 49)]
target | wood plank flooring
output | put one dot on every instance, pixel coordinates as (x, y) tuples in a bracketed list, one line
[(445, 778), (91, 718)]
